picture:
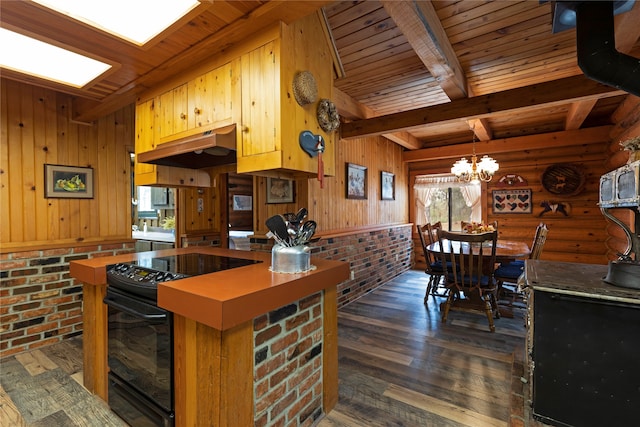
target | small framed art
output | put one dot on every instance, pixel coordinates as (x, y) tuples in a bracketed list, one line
[(512, 201), (356, 181), (388, 186), (68, 182), (242, 203), (280, 190)]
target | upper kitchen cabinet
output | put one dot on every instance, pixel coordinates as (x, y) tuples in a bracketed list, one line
[(239, 108), (203, 103), (146, 140), (272, 120)]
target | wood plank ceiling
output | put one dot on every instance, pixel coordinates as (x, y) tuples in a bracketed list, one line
[(430, 71)]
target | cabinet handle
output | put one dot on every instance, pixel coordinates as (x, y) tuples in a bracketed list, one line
[(183, 116), (244, 128), (196, 110)]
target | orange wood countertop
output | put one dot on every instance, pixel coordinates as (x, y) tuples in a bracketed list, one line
[(226, 298)]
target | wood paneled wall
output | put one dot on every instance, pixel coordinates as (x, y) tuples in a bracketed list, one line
[(329, 206), (579, 237), (37, 130)]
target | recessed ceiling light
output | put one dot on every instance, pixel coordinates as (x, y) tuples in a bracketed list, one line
[(27, 55), (137, 21)]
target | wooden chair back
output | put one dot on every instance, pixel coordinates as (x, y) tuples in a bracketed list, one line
[(427, 237), (472, 258), (539, 240)]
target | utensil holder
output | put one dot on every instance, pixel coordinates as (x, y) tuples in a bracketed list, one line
[(290, 259)]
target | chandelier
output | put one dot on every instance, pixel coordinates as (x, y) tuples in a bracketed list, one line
[(475, 171)]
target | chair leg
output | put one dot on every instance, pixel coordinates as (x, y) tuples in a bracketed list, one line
[(447, 305), (489, 311), (429, 287)]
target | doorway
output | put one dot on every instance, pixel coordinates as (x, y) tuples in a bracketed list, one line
[(239, 210)]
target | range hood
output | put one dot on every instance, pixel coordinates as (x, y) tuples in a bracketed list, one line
[(214, 147)]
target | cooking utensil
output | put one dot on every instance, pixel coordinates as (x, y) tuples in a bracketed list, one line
[(270, 235), (306, 232), (301, 215), (277, 225)]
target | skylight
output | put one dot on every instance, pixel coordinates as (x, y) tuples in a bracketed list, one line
[(27, 55), (137, 21)]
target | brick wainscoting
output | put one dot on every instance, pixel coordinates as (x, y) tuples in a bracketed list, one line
[(40, 304), (288, 364), (375, 257)]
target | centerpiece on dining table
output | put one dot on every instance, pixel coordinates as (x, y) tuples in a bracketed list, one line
[(477, 227)]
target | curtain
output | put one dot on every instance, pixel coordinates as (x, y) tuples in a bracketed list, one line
[(425, 185)]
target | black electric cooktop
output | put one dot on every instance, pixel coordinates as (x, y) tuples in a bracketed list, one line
[(193, 264), (141, 277)]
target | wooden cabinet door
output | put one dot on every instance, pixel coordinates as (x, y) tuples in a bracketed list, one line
[(174, 114), (145, 136), (211, 98), (260, 110)]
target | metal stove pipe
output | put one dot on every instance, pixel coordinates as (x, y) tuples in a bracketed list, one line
[(596, 48)]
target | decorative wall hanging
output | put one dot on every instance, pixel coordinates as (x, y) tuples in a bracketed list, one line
[(511, 180), (328, 117), (512, 201), (554, 208), (563, 179), (68, 182), (280, 190), (305, 89), (314, 145), (356, 181), (387, 186)]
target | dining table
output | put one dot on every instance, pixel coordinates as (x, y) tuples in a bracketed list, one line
[(506, 250)]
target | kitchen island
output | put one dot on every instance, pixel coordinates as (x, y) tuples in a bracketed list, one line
[(237, 334), (583, 345)]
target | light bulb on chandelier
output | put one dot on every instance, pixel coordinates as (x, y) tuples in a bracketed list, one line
[(474, 171)]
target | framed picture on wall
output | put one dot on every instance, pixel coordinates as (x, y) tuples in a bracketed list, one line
[(68, 182), (512, 201), (242, 203), (356, 181), (280, 190), (388, 186)]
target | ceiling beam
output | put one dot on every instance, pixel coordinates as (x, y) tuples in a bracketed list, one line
[(506, 145), (351, 109), (481, 129), (421, 25), (556, 92), (627, 29), (578, 112)]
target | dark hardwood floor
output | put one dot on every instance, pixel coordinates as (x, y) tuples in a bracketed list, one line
[(399, 366)]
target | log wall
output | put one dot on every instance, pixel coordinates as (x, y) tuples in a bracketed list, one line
[(582, 235)]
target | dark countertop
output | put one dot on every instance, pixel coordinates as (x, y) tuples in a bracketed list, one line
[(576, 279)]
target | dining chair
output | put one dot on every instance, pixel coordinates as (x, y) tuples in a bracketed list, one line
[(510, 274), (473, 260), (433, 265)]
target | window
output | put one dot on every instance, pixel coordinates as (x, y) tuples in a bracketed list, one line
[(442, 198), (448, 206)]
